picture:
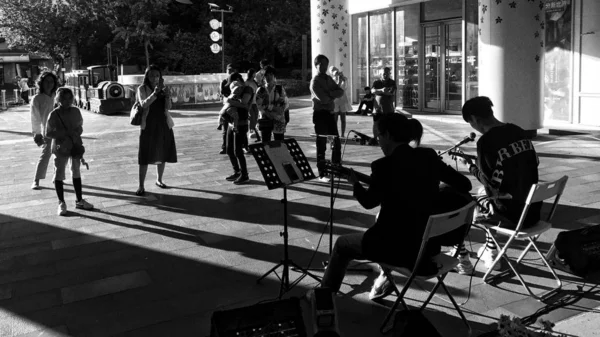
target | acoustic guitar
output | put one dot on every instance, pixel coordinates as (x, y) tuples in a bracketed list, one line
[(344, 172)]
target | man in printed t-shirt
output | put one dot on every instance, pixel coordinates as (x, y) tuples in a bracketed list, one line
[(507, 165)]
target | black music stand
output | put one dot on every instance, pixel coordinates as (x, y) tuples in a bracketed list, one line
[(282, 163)]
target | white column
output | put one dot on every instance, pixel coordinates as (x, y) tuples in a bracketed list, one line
[(330, 32), (510, 59)]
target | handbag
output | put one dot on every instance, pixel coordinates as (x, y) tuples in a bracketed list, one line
[(76, 150), (135, 116), (265, 124)]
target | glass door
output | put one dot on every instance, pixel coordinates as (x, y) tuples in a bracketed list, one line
[(443, 67), (432, 68)]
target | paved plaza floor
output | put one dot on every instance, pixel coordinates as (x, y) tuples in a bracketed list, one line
[(160, 265)]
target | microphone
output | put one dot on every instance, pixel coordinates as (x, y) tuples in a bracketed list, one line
[(469, 138)]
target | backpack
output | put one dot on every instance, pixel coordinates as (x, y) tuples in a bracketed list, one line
[(580, 249)]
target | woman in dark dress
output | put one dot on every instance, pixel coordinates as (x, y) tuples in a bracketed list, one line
[(157, 141)]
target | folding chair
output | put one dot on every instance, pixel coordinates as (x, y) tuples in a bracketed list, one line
[(437, 225), (539, 192)]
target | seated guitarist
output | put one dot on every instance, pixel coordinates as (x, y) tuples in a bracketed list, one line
[(507, 164), (405, 183)]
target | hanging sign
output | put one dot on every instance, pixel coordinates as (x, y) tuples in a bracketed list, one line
[(556, 5), (215, 36), (214, 24), (215, 48)]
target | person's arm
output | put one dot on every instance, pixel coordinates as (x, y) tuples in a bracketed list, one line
[(454, 178), (377, 89), (335, 91), (371, 197), (36, 117), (77, 121), (54, 128), (145, 99), (478, 170)]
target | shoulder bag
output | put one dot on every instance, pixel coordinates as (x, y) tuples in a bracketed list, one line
[(135, 116), (76, 151)]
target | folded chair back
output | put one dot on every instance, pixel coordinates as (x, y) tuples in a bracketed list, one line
[(544, 191)]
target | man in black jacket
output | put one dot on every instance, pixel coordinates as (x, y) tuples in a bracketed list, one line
[(405, 183)]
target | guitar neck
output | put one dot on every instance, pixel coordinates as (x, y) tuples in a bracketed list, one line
[(344, 172), (462, 155)]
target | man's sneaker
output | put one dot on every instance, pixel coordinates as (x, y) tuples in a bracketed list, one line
[(62, 208), (222, 151), (382, 288), (234, 176), (487, 256), (242, 179), (35, 185), (83, 204), (464, 267), (247, 151), (324, 179)]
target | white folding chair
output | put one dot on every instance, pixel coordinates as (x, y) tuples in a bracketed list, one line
[(437, 225), (538, 193)]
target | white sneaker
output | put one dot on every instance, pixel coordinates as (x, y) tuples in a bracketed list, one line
[(324, 179), (62, 208), (83, 204), (464, 267), (487, 256), (35, 185)]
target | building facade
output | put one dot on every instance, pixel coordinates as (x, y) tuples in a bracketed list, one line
[(18, 63), (535, 59)]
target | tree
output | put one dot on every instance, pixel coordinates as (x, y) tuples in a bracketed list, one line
[(139, 20), (54, 28)]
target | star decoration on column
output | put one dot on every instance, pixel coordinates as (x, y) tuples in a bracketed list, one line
[(318, 6), (335, 25), (324, 3), (484, 9), (325, 12), (541, 5), (537, 17), (482, 19), (343, 17), (498, 2), (318, 28), (334, 16), (344, 31), (345, 43), (345, 56), (346, 24), (479, 31), (346, 11), (318, 15), (341, 64), (322, 22), (341, 39), (332, 6), (318, 40), (530, 0), (537, 58), (325, 31), (513, 4), (498, 20), (536, 34), (542, 25), (542, 44), (341, 7), (340, 50)]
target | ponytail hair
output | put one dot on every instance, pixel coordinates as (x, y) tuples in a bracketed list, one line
[(416, 129)]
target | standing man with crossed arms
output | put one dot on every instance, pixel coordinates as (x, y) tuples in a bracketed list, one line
[(324, 91), (384, 90)]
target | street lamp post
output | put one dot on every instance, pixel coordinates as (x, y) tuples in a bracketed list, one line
[(217, 8)]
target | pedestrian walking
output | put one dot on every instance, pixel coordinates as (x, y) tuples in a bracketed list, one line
[(41, 106), (24, 89), (65, 126), (237, 130), (225, 92), (157, 141), (272, 102)]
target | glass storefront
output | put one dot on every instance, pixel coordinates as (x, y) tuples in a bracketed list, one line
[(557, 63), (415, 50)]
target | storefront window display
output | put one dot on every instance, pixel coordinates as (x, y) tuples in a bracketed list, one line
[(407, 56), (360, 53), (557, 62), (381, 53), (471, 45)]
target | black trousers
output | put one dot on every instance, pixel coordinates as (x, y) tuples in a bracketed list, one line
[(235, 145), (266, 134), (224, 131), (325, 124)]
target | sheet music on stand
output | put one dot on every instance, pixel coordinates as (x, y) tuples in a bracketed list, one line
[(282, 163)]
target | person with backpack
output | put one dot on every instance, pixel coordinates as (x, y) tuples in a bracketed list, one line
[(272, 103)]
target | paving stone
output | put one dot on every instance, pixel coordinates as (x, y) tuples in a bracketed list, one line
[(105, 286)]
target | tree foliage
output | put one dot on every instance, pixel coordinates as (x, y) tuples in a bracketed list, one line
[(48, 27)]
